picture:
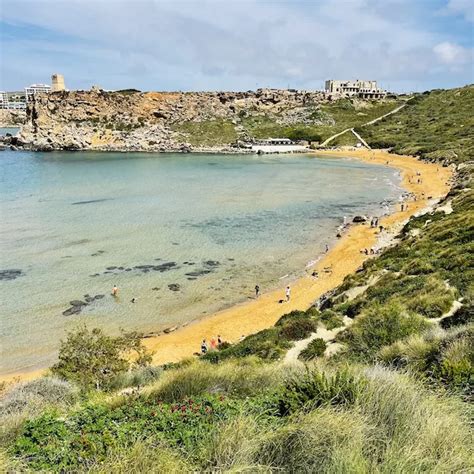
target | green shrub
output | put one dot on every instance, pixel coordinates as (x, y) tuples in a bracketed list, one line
[(380, 326), (290, 317), (239, 378), (297, 329), (315, 349), (464, 315), (315, 388), (92, 359), (331, 319), (137, 377)]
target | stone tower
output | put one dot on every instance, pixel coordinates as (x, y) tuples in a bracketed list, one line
[(57, 83)]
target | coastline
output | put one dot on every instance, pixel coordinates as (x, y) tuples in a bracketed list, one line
[(344, 258)]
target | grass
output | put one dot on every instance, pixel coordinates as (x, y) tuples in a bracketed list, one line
[(436, 125), (207, 133)]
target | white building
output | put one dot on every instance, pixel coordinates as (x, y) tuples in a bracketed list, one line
[(362, 89), (11, 101), (34, 89)]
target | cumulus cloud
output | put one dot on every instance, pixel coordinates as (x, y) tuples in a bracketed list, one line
[(452, 54), (226, 44)]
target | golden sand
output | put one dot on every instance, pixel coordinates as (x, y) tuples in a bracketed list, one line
[(344, 258)]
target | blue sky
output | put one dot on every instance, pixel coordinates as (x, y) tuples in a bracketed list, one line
[(236, 44)]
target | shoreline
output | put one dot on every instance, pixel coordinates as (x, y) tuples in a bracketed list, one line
[(343, 258)]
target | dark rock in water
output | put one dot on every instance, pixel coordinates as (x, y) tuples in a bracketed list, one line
[(120, 268), (111, 268), (198, 273), (175, 243), (191, 278), (77, 303), (89, 299), (189, 263), (99, 297), (11, 274), (86, 295), (155, 288), (95, 275), (168, 330), (128, 269), (212, 263), (359, 219), (72, 310), (231, 259), (100, 251), (162, 267), (174, 286)]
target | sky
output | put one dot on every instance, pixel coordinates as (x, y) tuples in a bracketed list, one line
[(406, 45)]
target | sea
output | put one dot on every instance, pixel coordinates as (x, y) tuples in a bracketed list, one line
[(180, 235)]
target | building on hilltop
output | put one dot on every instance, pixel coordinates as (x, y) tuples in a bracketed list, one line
[(34, 89), (12, 100), (57, 83), (362, 89)]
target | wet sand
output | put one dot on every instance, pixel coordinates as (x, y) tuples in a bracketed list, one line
[(342, 259)]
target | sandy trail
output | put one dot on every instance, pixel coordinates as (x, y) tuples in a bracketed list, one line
[(343, 258)]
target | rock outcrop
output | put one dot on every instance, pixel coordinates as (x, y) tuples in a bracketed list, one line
[(153, 121)]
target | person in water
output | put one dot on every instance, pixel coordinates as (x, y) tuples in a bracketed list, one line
[(257, 291), (115, 291)]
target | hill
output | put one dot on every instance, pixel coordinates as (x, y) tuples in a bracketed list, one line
[(395, 397)]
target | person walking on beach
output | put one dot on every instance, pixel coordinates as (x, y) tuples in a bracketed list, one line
[(257, 291), (288, 293), (115, 291), (327, 248), (203, 347)]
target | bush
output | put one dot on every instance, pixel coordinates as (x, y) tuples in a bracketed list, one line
[(315, 388), (464, 315), (315, 349), (331, 319), (135, 378), (93, 359), (290, 317), (236, 378), (31, 398), (380, 326), (298, 329)]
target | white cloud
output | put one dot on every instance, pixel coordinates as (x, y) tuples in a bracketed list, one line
[(461, 7), (452, 54), (239, 44)]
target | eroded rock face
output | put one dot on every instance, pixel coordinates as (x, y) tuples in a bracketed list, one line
[(99, 120)]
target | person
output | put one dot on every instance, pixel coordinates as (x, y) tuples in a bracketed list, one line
[(314, 274), (288, 293), (327, 248), (257, 291), (219, 340), (133, 300), (203, 347), (344, 221), (115, 290), (380, 228), (213, 344)]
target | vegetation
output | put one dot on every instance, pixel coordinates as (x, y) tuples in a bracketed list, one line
[(396, 398), (436, 125), (93, 359), (208, 133), (314, 349)]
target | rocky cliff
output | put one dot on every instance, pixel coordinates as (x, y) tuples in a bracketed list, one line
[(159, 121)]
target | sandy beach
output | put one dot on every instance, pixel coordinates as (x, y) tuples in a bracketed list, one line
[(342, 259)]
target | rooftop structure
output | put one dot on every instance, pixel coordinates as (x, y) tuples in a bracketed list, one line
[(362, 89), (34, 89)]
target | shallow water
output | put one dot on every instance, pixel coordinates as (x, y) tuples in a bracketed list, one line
[(211, 225)]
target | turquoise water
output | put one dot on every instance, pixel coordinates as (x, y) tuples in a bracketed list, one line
[(10, 130), (210, 226)]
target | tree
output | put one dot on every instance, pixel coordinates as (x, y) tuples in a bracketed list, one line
[(92, 359)]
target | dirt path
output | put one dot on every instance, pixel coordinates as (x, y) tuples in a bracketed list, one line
[(351, 129), (291, 357)]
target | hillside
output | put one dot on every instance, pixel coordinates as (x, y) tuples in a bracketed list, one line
[(176, 121), (395, 397)]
